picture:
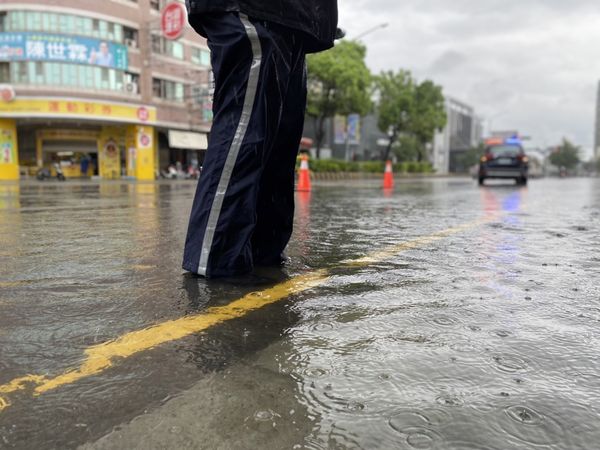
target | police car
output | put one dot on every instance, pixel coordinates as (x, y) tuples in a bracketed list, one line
[(504, 158)]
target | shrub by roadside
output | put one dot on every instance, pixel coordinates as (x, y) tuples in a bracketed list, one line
[(337, 166)]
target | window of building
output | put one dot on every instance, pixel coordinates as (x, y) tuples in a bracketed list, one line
[(18, 73), (36, 72), (4, 72), (97, 76), (79, 27), (67, 75), (46, 21), (52, 21), (104, 78), (174, 49), (61, 23), (103, 26), (156, 43), (200, 56), (70, 24), (207, 113), (86, 77), (33, 21), (117, 33), (157, 87), (88, 26), (3, 20), (167, 90), (54, 74), (16, 21), (201, 94), (155, 4), (202, 97), (70, 74), (166, 47), (130, 37), (96, 27)]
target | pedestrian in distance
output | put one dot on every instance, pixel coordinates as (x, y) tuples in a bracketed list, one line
[(242, 214)]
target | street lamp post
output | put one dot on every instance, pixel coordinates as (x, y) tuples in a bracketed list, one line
[(355, 39), (370, 30), (490, 120)]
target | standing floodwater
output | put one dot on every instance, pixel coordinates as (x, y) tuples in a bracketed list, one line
[(480, 333)]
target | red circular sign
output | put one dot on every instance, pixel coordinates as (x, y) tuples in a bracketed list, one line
[(7, 93), (145, 140), (143, 113), (172, 20)]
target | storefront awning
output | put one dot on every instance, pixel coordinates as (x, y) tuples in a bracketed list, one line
[(188, 140)]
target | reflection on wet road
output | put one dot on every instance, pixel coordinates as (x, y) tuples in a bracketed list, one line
[(481, 336)]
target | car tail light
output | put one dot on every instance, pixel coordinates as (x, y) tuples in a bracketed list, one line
[(487, 157)]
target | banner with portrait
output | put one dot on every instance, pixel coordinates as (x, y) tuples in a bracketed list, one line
[(48, 47)]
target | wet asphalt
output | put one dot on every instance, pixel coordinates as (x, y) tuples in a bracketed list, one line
[(485, 339)]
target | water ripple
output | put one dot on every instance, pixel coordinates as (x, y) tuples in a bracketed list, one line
[(531, 426)]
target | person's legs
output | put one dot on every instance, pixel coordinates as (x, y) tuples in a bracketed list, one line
[(275, 208), (247, 104)]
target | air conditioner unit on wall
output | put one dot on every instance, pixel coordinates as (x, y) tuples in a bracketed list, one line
[(132, 87), (131, 43)]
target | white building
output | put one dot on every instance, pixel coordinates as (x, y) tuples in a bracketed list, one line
[(464, 130), (597, 129)]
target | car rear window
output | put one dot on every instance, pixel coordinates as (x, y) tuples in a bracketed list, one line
[(505, 150)]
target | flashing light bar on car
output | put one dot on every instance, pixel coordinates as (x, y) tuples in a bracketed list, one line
[(515, 140)]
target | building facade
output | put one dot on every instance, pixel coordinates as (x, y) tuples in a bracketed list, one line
[(463, 131), (597, 128), (97, 88)]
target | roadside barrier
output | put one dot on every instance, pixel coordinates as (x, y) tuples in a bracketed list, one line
[(388, 176), (304, 175)]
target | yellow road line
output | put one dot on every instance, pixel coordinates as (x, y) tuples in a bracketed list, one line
[(12, 283), (100, 357)]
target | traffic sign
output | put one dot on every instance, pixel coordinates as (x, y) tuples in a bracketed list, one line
[(172, 21)]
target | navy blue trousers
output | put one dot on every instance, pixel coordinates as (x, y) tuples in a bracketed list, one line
[(243, 209)]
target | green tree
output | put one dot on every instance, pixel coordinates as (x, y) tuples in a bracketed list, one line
[(338, 83), (566, 155), (471, 156), (428, 114), (396, 104), (411, 110), (406, 148)]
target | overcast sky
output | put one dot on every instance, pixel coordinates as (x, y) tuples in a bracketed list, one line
[(531, 65)]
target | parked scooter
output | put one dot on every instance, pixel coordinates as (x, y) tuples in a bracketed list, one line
[(45, 174)]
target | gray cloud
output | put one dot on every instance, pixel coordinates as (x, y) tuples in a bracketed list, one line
[(532, 65)]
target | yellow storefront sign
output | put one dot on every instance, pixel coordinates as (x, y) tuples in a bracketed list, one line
[(78, 109), (9, 162), (109, 152), (141, 143)]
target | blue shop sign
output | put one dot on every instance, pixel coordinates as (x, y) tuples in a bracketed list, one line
[(61, 48)]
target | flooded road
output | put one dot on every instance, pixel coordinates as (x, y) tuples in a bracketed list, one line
[(437, 316)]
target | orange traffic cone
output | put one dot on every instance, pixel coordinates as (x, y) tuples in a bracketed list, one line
[(304, 175), (388, 176)]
